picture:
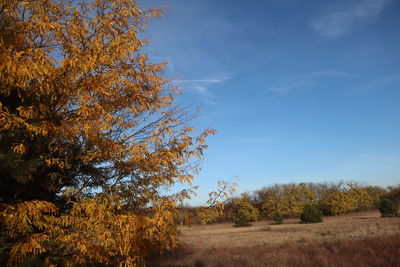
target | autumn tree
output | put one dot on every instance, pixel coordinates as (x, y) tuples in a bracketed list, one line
[(288, 199), (216, 202), (330, 198), (393, 193), (343, 198), (242, 212), (377, 193), (89, 134)]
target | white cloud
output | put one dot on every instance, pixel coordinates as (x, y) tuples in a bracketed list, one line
[(307, 80), (336, 73), (201, 90), (211, 102), (292, 85), (376, 83), (200, 86), (344, 18)]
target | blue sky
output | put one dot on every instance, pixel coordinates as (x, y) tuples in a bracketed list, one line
[(299, 91)]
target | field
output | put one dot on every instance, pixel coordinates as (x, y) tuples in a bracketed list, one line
[(355, 239)]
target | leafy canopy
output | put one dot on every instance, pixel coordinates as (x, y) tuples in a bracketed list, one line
[(387, 208), (89, 134), (311, 214), (242, 212)]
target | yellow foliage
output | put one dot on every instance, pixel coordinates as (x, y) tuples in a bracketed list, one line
[(188, 220), (21, 219), (81, 79), (207, 214), (21, 222), (94, 230), (20, 149), (332, 199), (350, 199), (242, 212), (215, 203), (89, 113), (288, 200)]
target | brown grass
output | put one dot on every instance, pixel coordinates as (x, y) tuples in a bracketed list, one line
[(357, 239)]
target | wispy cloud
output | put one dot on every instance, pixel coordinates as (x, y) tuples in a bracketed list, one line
[(336, 73), (343, 18), (211, 102), (201, 90), (292, 85), (307, 80), (201, 87), (379, 82)]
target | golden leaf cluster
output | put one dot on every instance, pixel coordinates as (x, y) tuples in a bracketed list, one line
[(87, 119), (95, 230), (289, 199)]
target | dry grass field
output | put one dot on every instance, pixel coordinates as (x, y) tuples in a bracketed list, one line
[(356, 239)]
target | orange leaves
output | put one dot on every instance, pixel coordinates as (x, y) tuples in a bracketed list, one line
[(20, 222), (80, 74), (104, 236), (33, 244), (20, 149), (94, 228), (20, 219), (84, 103)]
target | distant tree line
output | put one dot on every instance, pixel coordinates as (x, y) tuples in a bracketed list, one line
[(281, 201)]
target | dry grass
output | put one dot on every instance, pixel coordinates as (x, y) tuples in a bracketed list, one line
[(357, 239)]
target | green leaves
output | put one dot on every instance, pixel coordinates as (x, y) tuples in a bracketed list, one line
[(242, 212)]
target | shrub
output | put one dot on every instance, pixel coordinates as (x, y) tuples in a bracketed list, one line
[(243, 213), (311, 214), (287, 199), (387, 208), (277, 218)]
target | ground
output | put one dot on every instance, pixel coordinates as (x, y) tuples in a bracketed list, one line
[(356, 239)]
